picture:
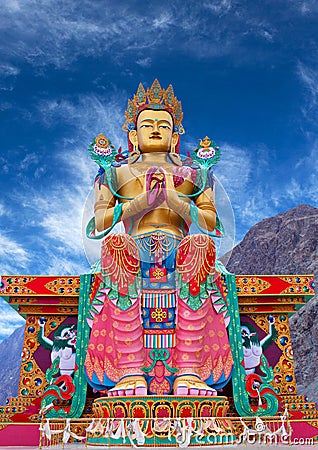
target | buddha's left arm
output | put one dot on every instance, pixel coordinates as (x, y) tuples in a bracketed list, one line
[(206, 209)]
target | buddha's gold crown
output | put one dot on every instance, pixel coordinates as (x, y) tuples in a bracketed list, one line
[(154, 98)]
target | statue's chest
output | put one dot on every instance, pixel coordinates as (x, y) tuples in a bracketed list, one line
[(133, 181)]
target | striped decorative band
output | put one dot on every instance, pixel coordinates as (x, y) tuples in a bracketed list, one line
[(159, 340), (158, 299)]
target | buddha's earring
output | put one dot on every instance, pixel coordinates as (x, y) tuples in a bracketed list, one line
[(134, 155), (174, 157)]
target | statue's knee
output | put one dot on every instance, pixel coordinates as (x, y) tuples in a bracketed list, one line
[(201, 240), (119, 251), (195, 251)]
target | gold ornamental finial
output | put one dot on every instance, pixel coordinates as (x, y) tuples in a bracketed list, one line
[(154, 98), (205, 143)]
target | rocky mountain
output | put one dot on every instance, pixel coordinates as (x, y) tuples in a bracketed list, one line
[(10, 358), (288, 244), (284, 244), (304, 334)]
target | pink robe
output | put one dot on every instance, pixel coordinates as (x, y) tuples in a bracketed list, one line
[(190, 337)]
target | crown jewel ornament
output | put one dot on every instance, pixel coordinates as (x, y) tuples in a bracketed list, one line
[(154, 98)]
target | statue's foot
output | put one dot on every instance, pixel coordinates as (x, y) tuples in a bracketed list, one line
[(129, 385), (192, 385)]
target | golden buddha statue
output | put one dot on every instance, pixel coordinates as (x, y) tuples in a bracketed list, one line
[(156, 327), (163, 209)]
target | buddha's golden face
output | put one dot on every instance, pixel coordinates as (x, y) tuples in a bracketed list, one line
[(154, 131)]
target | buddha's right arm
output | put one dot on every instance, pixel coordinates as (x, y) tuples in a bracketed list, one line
[(104, 207)]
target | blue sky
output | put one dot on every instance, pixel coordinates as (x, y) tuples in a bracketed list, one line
[(245, 71)]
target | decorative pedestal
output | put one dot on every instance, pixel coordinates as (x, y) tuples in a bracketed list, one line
[(163, 421), (163, 407)]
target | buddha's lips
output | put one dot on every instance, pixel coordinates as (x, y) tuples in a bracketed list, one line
[(155, 181), (155, 137)]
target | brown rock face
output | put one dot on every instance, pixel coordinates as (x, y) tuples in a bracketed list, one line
[(304, 334), (288, 244), (10, 357), (283, 244)]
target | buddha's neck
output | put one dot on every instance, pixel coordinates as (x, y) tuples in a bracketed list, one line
[(154, 157)]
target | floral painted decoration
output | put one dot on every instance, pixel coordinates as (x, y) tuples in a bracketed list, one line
[(102, 146), (102, 151), (207, 153)]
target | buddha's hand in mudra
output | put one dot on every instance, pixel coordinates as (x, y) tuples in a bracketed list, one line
[(152, 196), (155, 186), (172, 198)]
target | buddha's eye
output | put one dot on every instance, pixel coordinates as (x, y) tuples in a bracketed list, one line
[(164, 126), (146, 125)]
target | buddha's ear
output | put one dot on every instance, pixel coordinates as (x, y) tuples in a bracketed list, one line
[(174, 139), (174, 157), (133, 137)]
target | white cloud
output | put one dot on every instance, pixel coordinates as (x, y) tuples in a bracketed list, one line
[(67, 265), (8, 89), (256, 206), (5, 105), (28, 160), (6, 329), (10, 319), (52, 212), (293, 190), (55, 32), (163, 21), (11, 5), (256, 195), (309, 77), (63, 222), (88, 115), (311, 188), (7, 70), (309, 169), (261, 27), (297, 192), (307, 7), (4, 167), (267, 35), (58, 209), (234, 170), (53, 220), (13, 255), (219, 7), (144, 62)]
